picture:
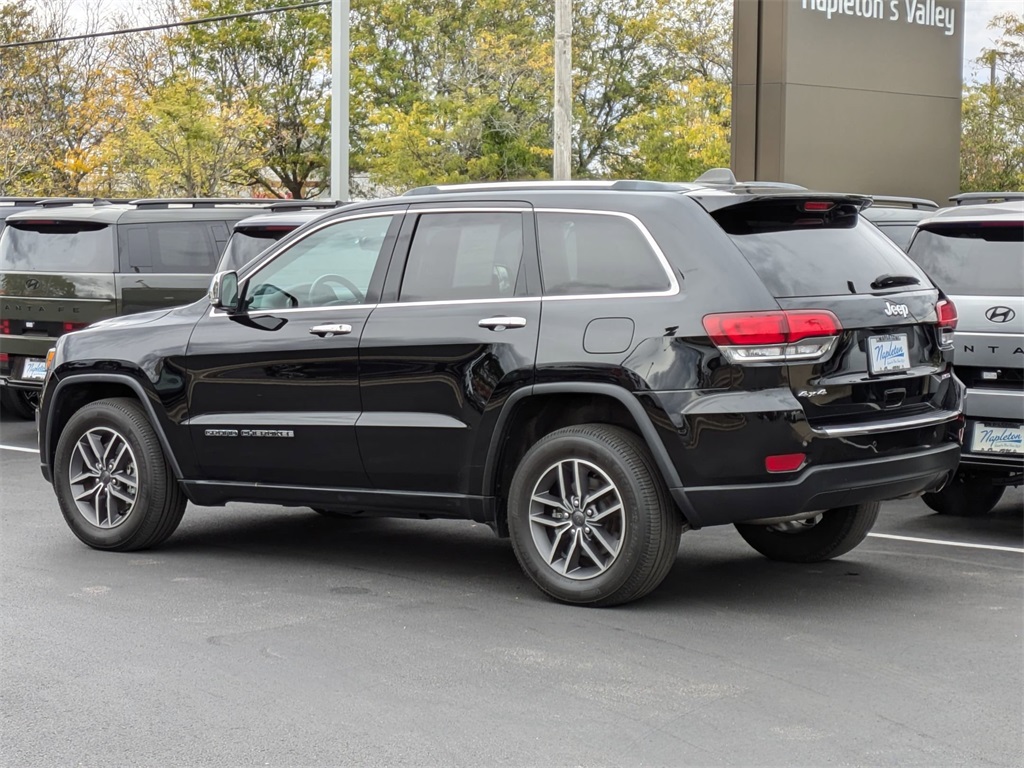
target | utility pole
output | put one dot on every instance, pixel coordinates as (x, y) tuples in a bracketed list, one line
[(563, 89), (339, 99)]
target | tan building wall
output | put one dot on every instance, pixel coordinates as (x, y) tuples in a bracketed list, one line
[(849, 94)]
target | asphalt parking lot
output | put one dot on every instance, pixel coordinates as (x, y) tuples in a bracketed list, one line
[(267, 636)]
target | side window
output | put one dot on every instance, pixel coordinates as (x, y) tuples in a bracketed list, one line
[(331, 267), (182, 247), (463, 256), (593, 253)]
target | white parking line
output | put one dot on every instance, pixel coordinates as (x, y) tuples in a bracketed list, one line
[(947, 543), (18, 448)]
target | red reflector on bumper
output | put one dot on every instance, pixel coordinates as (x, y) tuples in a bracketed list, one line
[(786, 462)]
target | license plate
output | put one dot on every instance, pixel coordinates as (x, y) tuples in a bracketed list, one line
[(991, 438), (34, 369), (888, 353)]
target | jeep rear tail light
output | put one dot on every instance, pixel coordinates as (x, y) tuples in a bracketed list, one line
[(774, 336), (946, 310)]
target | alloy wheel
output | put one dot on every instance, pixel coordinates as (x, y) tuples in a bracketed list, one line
[(103, 476), (577, 519)]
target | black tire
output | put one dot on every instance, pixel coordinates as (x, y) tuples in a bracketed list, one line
[(967, 496), (834, 534), (159, 501), (646, 532), (19, 402)]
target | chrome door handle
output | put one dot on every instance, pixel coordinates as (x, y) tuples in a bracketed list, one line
[(501, 323), (331, 329)]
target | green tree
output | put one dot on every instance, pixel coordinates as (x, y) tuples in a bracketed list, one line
[(992, 141), (277, 65), (181, 142), (682, 138)]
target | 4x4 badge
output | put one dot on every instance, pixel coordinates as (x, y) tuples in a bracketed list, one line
[(1000, 314), (896, 309)]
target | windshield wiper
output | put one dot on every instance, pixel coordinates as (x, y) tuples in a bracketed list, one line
[(891, 281)]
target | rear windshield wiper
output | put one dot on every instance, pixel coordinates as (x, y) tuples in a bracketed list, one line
[(891, 281)]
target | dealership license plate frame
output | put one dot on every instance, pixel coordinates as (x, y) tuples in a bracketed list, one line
[(33, 369), (899, 341), (978, 435)]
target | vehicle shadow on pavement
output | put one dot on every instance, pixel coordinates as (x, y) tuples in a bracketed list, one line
[(1003, 526), (456, 554)]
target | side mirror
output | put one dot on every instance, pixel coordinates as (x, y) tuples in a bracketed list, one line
[(224, 291)]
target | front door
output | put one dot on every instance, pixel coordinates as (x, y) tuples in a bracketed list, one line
[(455, 335), (274, 388)]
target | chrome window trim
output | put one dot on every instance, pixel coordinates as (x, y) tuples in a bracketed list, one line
[(458, 302), (673, 288)]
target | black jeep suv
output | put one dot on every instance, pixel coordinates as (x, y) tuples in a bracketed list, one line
[(590, 369)]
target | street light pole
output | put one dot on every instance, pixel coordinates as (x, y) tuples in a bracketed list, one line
[(339, 99), (563, 89)]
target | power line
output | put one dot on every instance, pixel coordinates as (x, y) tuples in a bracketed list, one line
[(155, 27)]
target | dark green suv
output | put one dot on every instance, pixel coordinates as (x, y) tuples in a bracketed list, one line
[(64, 267)]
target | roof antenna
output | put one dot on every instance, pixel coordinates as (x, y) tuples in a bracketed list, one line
[(718, 177)]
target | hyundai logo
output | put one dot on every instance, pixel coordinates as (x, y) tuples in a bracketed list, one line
[(31, 284), (1000, 314)]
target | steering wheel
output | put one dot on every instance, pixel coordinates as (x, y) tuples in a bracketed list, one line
[(344, 282)]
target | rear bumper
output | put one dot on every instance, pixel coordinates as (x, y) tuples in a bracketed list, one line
[(822, 487)]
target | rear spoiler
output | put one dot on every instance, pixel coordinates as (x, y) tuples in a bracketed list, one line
[(713, 200), (976, 198)]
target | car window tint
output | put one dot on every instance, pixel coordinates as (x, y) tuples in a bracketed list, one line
[(57, 246), (901, 234), (246, 244), (586, 253), (330, 267), (973, 259), (182, 246), (463, 256), (797, 252)]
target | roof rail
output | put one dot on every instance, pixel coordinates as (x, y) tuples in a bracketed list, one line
[(304, 205), (890, 201), (19, 200), (974, 198), (60, 202), (199, 202), (487, 186)]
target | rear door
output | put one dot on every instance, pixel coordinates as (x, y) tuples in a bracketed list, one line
[(56, 275), (455, 335), (818, 254), (167, 263)]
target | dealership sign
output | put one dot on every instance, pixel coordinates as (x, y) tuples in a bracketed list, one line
[(926, 13)]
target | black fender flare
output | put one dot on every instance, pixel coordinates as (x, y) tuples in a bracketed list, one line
[(47, 436), (647, 430)]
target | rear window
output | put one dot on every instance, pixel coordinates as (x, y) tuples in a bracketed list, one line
[(246, 244), (57, 246), (817, 253), (901, 234), (977, 260)]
